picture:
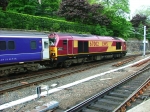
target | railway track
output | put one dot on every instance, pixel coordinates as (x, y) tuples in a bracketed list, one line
[(22, 82), (141, 98), (118, 97), (124, 62)]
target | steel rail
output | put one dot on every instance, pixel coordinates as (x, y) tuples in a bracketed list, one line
[(81, 106)]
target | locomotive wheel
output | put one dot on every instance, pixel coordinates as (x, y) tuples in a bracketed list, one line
[(83, 61), (6, 72), (54, 65), (25, 70), (67, 64), (60, 65)]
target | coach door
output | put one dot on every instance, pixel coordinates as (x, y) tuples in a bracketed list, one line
[(45, 48)]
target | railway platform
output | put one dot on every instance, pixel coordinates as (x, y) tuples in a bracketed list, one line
[(143, 107)]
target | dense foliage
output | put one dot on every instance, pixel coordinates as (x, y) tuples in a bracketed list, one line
[(138, 19), (3, 4), (24, 21), (117, 11), (82, 11), (103, 17), (117, 7), (138, 22), (141, 19), (47, 7)]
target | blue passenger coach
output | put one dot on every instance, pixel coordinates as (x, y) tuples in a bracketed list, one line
[(21, 49)]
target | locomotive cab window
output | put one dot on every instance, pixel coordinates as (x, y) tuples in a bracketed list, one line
[(2, 45), (11, 45), (33, 44), (64, 42), (52, 41), (118, 45)]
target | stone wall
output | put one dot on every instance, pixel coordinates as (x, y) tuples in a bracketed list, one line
[(135, 46)]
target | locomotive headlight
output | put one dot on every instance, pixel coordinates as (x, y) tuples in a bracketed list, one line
[(53, 54)]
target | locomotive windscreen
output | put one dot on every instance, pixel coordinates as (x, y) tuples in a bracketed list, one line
[(52, 41)]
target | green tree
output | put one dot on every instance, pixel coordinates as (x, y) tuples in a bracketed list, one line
[(138, 22), (48, 7), (23, 6), (118, 12), (116, 7), (3, 4), (45, 7), (82, 11), (92, 1), (145, 10)]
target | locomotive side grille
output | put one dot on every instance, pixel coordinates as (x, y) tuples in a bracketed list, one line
[(80, 46), (86, 48)]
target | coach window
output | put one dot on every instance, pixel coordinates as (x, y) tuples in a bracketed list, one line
[(2, 45), (46, 45), (11, 45), (33, 44)]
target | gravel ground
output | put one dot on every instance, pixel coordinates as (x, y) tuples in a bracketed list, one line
[(73, 95)]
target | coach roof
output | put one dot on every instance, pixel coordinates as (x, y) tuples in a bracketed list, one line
[(22, 34)]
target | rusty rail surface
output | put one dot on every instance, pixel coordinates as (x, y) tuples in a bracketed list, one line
[(124, 61), (141, 63)]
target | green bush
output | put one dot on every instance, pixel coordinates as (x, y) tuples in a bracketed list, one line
[(55, 26), (102, 31), (24, 21)]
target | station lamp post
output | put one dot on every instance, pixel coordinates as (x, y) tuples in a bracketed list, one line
[(144, 41)]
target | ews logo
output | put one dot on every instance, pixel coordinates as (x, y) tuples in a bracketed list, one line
[(104, 43)]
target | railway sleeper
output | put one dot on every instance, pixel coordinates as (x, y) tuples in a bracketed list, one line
[(89, 110), (128, 88), (101, 108), (124, 91), (108, 102), (113, 98), (119, 94)]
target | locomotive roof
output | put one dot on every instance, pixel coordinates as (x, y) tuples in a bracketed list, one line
[(72, 34), (63, 35)]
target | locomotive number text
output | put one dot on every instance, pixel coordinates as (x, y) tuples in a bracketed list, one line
[(97, 43)]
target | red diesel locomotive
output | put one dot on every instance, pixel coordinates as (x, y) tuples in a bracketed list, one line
[(66, 48)]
